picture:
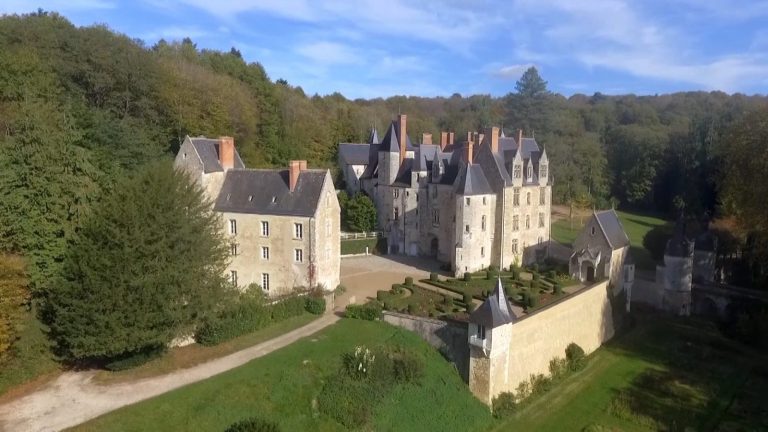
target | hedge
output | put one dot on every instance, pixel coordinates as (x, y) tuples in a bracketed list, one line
[(135, 359), (315, 305), (368, 312), (253, 424)]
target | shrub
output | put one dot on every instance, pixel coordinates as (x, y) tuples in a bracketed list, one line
[(504, 405), (315, 305), (253, 424), (407, 367), (493, 268), (368, 312), (491, 274), (558, 367), (575, 356), (467, 276), (515, 273), (533, 299), (132, 360), (447, 300), (535, 285), (290, 307), (358, 364), (540, 384), (433, 277), (558, 288), (525, 297), (412, 309), (382, 296), (470, 307), (467, 298), (347, 401), (535, 276), (409, 281), (341, 289), (552, 274), (535, 267)]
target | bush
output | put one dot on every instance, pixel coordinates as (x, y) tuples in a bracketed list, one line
[(467, 298), (341, 289), (575, 356), (382, 296), (448, 301), (397, 289), (493, 268), (433, 277), (552, 274), (526, 297), (368, 312), (535, 267), (315, 305), (470, 307), (558, 367), (515, 273), (132, 360), (491, 274), (535, 276), (504, 405), (533, 299), (409, 281), (467, 277), (558, 288), (412, 309), (407, 367), (253, 424), (348, 401)]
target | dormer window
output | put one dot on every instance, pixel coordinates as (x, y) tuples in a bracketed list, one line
[(250, 198), (543, 171), (517, 171), (274, 199), (530, 172), (592, 231), (229, 196)]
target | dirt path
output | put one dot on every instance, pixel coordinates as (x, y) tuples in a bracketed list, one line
[(73, 399)]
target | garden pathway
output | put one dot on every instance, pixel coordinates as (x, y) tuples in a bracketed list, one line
[(73, 398)]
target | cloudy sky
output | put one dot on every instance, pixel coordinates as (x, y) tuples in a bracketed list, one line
[(372, 48)]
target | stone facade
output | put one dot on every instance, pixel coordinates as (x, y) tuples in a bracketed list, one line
[(485, 201), (601, 251), (509, 353), (282, 225)]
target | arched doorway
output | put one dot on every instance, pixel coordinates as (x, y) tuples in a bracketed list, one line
[(434, 246), (588, 271)]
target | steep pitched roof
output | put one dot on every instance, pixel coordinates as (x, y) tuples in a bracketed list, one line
[(354, 154), (471, 181), (263, 191), (208, 150), (495, 310), (391, 141), (374, 137), (611, 226)]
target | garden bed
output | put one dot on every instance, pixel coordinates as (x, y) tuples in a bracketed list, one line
[(419, 301)]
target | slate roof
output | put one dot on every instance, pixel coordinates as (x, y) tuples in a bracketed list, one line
[(354, 154), (495, 310), (611, 226), (391, 141), (266, 192), (471, 181), (374, 137), (208, 150)]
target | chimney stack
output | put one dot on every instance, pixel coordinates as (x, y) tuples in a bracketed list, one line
[(468, 152), (494, 133), (402, 121), (520, 138), (443, 140), (295, 167), (470, 136), (426, 138), (227, 152), (450, 138)]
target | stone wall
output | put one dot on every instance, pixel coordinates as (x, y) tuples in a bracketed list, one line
[(526, 346), (449, 337)]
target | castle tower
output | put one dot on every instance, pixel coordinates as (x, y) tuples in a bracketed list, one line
[(490, 328), (678, 273)]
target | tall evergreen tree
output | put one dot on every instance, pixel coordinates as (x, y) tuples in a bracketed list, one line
[(531, 84), (145, 268)]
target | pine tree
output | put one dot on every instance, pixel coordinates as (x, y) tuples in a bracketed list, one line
[(531, 84), (146, 267)]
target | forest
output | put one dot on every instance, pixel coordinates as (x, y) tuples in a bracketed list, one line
[(80, 107)]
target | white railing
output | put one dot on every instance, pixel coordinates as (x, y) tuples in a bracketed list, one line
[(362, 235)]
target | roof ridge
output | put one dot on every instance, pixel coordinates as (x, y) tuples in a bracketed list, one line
[(600, 224)]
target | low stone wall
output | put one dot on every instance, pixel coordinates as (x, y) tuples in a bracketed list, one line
[(526, 346), (449, 337)]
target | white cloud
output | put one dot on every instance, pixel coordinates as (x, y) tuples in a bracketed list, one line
[(328, 53), (512, 71), (24, 6), (173, 33)]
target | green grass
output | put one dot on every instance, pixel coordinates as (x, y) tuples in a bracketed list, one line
[(635, 225), (283, 385), (357, 246), (30, 356), (666, 374)]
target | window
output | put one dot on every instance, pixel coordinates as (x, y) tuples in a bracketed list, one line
[(542, 196), (515, 223), (265, 228), (467, 201), (481, 332), (516, 197), (264, 253), (626, 275), (233, 249), (396, 192), (482, 223), (265, 281), (530, 172), (517, 171), (514, 246), (185, 155), (541, 220), (233, 278), (482, 251), (434, 192), (527, 221), (232, 226), (397, 213), (543, 171), (483, 200), (298, 230), (435, 217), (466, 228), (298, 255), (528, 198), (592, 230)]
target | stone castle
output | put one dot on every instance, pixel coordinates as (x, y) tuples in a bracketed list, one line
[(481, 202), (282, 225)]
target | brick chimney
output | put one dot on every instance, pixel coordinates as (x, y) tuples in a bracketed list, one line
[(402, 121), (494, 139), (520, 137), (295, 167), (443, 140), (426, 138), (450, 138), (468, 152), (227, 152)]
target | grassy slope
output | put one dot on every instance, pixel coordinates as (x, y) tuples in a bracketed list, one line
[(671, 371), (635, 225), (283, 385)]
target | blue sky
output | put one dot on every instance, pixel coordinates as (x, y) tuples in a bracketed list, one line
[(378, 48)]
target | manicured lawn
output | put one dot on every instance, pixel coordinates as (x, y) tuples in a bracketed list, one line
[(666, 374), (358, 246), (188, 356), (283, 386), (31, 359), (636, 226)]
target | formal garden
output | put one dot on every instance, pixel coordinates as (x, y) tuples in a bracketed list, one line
[(420, 301)]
